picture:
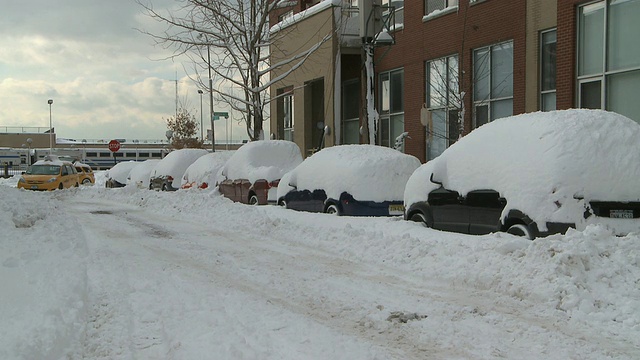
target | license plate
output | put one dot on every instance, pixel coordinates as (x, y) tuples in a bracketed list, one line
[(621, 214), (396, 209), (34, 187)]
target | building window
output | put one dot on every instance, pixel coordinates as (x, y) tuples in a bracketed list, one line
[(443, 104), (287, 115), (492, 82), (391, 107), (431, 6), (351, 112), (608, 56), (548, 70)]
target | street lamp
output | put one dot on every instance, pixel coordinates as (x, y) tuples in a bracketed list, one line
[(213, 137), (201, 123), (50, 101)]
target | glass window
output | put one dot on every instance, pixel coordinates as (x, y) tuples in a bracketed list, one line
[(351, 112), (493, 82), (622, 94), (548, 41), (288, 117), (591, 95), (436, 5), (591, 39), (443, 102), (606, 36), (624, 28), (391, 107)]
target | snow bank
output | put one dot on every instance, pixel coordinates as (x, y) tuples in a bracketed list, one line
[(207, 169), (367, 172), (42, 276), (176, 163), (539, 160), (264, 159)]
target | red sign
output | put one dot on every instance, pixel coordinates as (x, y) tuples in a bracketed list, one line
[(114, 145)]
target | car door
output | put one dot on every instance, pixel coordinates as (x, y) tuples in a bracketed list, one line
[(485, 207), (447, 211)]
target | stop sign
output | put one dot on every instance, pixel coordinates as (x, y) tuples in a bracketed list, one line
[(114, 145)]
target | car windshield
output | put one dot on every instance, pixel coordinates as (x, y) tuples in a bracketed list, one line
[(43, 170)]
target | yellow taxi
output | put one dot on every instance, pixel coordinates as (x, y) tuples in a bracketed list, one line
[(49, 174), (85, 173)]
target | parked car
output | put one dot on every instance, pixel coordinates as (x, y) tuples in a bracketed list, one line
[(85, 173), (51, 173), (117, 175), (139, 175), (354, 180), (167, 174), (206, 171), (252, 173), (534, 175)]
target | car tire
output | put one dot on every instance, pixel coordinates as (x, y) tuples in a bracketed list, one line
[(419, 218), (77, 185), (332, 209), (520, 230), (86, 182), (253, 200), (60, 187), (164, 187), (283, 203)]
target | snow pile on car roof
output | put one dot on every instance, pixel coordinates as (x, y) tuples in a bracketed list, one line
[(367, 172), (263, 159), (206, 169), (140, 174), (538, 161), (176, 163), (50, 160), (120, 171)]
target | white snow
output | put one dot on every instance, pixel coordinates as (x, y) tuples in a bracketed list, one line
[(120, 171), (367, 172), (176, 163), (139, 175), (263, 159), (95, 273), (539, 160), (206, 170)]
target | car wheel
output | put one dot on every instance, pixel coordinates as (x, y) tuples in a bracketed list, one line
[(60, 186), (520, 230), (164, 187), (419, 217), (253, 200), (332, 209), (77, 185), (86, 182), (283, 203)]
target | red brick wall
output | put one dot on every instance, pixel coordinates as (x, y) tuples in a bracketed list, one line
[(472, 26)]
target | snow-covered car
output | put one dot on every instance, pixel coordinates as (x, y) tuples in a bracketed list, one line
[(51, 173), (252, 173), (534, 175), (85, 173), (167, 175), (354, 180), (139, 175), (117, 175), (206, 171)]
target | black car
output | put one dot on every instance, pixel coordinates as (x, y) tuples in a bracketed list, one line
[(533, 175)]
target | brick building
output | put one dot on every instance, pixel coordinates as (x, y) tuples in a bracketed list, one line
[(457, 64)]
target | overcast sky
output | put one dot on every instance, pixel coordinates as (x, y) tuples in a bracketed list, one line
[(107, 80)]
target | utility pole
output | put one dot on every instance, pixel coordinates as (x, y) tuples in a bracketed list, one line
[(370, 26)]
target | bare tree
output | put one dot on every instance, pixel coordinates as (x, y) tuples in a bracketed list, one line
[(231, 39), (183, 128)]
